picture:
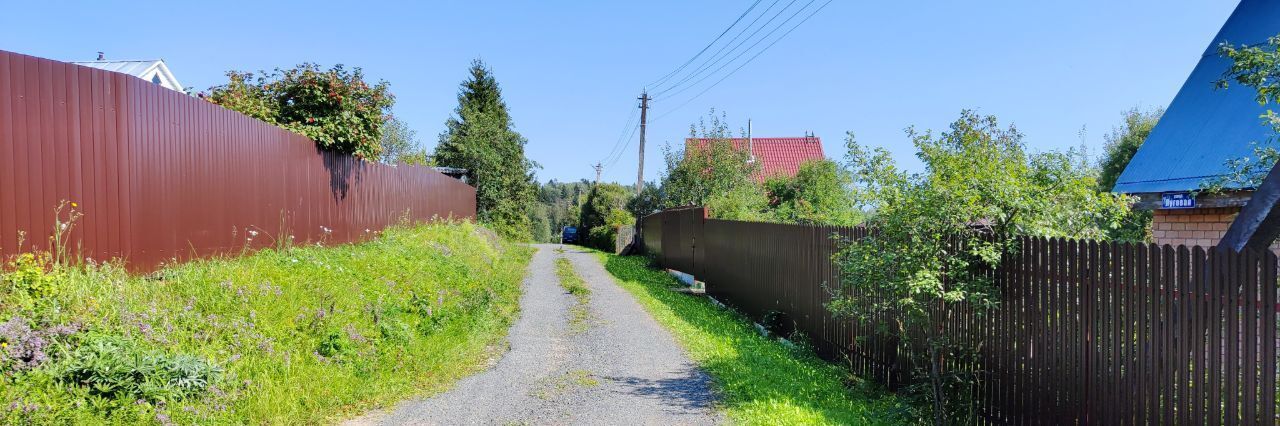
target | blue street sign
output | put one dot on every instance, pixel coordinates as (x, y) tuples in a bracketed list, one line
[(1177, 200)]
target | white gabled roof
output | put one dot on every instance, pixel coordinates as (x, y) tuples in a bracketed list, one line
[(153, 70)]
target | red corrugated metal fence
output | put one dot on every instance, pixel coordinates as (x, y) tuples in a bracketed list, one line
[(159, 175)]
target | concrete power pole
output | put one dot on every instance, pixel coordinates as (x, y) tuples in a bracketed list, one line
[(644, 115)]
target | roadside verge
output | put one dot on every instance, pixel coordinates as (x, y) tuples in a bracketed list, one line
[(295, 335), (759, 380)]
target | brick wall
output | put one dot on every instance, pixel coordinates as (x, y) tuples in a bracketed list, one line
[(1194, 227)]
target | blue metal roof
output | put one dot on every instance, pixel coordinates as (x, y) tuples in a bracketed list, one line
[(1204, 127)]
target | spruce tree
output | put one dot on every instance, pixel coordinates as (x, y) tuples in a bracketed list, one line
[(479, 138)]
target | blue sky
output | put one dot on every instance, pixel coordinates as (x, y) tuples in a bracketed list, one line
[(571, 70)]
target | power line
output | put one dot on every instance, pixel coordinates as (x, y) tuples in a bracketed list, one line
[(729, 47), (748, 61), (629, 123), (645, 98), (627, 144), (628, 140), (748, 49), (702, 66), (712, 43), (714, 59), (615, 153), (722, 52), (623, 142)]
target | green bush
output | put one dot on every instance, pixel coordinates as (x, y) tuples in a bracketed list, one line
[(604, 210), (606, 204), (113, 367), (821, 192), (332, 345), (333, 107), (713, 172), (31, 279), (602, 237)]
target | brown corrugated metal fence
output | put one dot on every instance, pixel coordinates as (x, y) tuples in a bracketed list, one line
[(676, 230), (159, 175), (1087, 332)]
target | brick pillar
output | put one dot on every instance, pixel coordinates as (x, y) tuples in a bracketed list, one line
[(1192, 227)]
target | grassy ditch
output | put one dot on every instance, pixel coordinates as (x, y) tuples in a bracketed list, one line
[(579, 313), (759, 380), (299, 335)]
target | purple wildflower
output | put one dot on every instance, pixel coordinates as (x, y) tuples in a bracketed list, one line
[(23, 348)]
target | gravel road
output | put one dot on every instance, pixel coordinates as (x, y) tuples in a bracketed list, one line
[(623, 369)]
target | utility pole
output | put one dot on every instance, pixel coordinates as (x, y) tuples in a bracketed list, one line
[(644, 114), (598, 168)]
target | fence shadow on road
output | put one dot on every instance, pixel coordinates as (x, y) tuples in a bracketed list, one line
[(688, 390)]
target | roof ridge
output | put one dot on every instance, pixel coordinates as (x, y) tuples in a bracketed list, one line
[(761, 137), (116, 60)]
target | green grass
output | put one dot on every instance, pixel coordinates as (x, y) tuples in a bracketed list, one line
[(759, 380), (570, 280), (579, 314), (299, 335), (552, 387)]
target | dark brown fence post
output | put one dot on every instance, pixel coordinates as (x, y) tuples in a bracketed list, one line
[(1270, 341)]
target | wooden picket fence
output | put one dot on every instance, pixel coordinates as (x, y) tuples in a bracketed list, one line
[(1087, 332)]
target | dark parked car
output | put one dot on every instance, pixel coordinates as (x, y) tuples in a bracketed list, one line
[(569, 235)]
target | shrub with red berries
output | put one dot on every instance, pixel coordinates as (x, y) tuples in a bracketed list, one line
[(333, 107)]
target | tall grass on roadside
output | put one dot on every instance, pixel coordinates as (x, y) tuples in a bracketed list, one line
[(291, 335), (579, 313), (759, 380)]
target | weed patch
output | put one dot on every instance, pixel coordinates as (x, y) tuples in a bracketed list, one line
[(120, 371), (552, 387), (579, 313)]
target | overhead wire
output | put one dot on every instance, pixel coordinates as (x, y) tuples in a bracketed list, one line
[(631, 118), (659, 81), (748, 61), (629, 138), (729, 47), (621, 145), (747, 50)]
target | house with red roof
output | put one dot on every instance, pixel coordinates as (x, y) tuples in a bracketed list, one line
[(777, 156)]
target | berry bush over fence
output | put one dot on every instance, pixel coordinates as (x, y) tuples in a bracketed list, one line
[(154, 175)]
